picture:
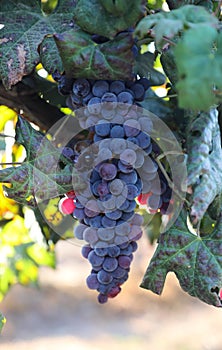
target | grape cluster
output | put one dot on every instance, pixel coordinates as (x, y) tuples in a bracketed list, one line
[(110, 268), (118, 170)]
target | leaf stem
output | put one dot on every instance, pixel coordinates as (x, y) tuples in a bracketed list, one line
[(198, 228), (168, 40)]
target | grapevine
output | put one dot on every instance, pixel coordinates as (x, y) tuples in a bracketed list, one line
[(112, 159)]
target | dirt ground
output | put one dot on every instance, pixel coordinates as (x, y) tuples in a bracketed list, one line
[(64, 314)]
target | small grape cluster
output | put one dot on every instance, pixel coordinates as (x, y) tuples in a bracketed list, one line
[(110, 268), (118, 170)]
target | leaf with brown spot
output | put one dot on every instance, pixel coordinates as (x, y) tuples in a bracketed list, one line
[(25, 27)]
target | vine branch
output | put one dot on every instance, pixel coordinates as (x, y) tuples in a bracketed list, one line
[(35, 109)]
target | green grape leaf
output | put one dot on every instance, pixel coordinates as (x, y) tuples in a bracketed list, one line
[(144, 67), (204, 162), (197, 68), (83, 58), (167, 25), (49, 56), (2, 321), (40, 176), (25, 26), (155, 104), (94, 19), (196, 261)]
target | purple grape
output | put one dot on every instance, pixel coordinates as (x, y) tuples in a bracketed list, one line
[(79, 214), (96, 221), (131, 207), (134, 246), (113, 251), (114, 215), (100, 87), (78, 231), (92, 281), (143, 140), (117, 132), (119, 272), (127, 251), (130, 178), (104, 277), (94, 259), (102, 298), (86, 249), (139, 91), (124, 261), (154, 202), (125, 97), (101, 251), (94, 105), (117, 86), (108, 171), (107, 222), (102, 189), (110, 264), (81, 87), (132, 191), (102, 129)]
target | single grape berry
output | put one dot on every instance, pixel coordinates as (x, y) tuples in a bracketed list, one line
[(81, 87)]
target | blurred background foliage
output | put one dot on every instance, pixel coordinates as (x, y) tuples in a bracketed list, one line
[(22, 247)]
